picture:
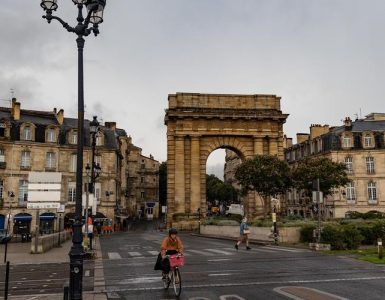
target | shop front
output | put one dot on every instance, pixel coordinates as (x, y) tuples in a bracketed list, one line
[(47, 223), (22, 226), (2, 223)]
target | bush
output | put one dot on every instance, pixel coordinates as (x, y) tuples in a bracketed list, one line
[(352, 237), (368, 234), (334, 236), (306, 233)]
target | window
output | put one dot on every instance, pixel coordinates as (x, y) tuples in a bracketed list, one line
[(50, 160), (98, 160), (23, 191), (350, 192), (346, 142), (27, 133), (142, 195), (1, 189), (368, 140), (370, 164), (372, 192), (2, 155), (51, 135), (2, 129), (71, 191), (349, 164), (74, 137), (25, 159), (73, 163), (99, 139), (98, 191)]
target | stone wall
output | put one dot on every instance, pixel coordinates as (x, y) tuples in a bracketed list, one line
[(49, 241)]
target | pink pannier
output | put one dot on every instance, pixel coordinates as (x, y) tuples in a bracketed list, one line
[(176, 260)]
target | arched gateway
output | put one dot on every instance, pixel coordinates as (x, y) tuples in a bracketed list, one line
[(198, 124)]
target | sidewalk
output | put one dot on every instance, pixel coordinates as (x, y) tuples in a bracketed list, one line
[(19, 253)]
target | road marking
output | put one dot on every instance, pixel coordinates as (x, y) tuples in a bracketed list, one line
[(251, 283), (294, 292), (200, 252), (220, 274), (114, 255), (219, 259), (283, 249), (153, 252), (134, 253), (224, 297), (219, 251)]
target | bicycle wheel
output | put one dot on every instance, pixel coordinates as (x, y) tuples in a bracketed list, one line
[(177, 282), (166, 281)]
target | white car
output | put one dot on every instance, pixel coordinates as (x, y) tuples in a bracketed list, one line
[(235, 209)]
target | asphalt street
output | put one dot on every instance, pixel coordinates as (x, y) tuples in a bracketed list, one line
[(215, 270)]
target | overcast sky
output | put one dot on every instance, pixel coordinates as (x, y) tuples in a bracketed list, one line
[(325, 58)]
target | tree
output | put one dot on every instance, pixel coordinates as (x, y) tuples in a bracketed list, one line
[(331, 175), (267, 175), (216, 189)]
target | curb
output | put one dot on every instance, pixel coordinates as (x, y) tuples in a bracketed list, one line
[(254, 242)]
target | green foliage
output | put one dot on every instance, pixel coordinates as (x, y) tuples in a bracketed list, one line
[(370, 215), (265, 174), (331, 174), (333, 235), (306, 233), (216, 189), (352, 237)]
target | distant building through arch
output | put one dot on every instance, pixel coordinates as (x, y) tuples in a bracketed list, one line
[(198, 124)]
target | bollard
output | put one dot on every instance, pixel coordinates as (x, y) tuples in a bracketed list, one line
[(6, 283), (66, 289), (380, 248)]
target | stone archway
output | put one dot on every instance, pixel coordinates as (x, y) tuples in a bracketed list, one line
[(198, 124)]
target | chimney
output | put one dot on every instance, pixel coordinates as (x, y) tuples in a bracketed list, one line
[(348, 122), (15, 112), (289, 142), (302, 137), (317, 130), (59, 116), (110, 125)]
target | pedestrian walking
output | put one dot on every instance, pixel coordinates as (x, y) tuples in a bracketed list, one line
[(244, 234)]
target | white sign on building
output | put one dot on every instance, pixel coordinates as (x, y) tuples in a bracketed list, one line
[(44, 189)]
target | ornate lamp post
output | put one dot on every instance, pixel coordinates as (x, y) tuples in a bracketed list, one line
[(94, 16)]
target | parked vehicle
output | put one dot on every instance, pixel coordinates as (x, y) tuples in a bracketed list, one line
[(235, 209)]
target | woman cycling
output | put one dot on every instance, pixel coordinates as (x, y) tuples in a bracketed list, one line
[(170, 245)]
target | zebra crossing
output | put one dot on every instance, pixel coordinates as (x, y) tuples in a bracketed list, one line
[(208, 252)]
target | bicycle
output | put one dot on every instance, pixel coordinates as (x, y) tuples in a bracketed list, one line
[(176, 261)]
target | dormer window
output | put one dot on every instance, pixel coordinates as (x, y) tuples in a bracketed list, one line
[(27, 133), (74, 137), (368, 141), (3, 126), (347, 140), (99, 139), (51, 135)]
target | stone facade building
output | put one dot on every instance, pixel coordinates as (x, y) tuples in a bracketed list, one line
[(47, 142), (360, 146)]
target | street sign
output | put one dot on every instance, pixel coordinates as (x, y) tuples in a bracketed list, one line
[(318, 197), (43, 205), (274, 217)]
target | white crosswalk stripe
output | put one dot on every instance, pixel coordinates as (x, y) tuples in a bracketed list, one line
[(114, 255), (200, 252), (282, 249), (134, 253), (153, 252), (219, 251)]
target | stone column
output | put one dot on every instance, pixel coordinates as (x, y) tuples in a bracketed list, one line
[(170, 178), (273, 146), (258, 145), (179, 201), (195, 178)]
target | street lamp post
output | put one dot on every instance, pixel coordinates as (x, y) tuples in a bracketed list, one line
[(95, 9)]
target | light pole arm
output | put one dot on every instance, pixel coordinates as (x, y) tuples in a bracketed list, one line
[(49, 17)]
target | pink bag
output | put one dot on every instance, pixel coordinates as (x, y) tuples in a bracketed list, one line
[(176, 260)]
